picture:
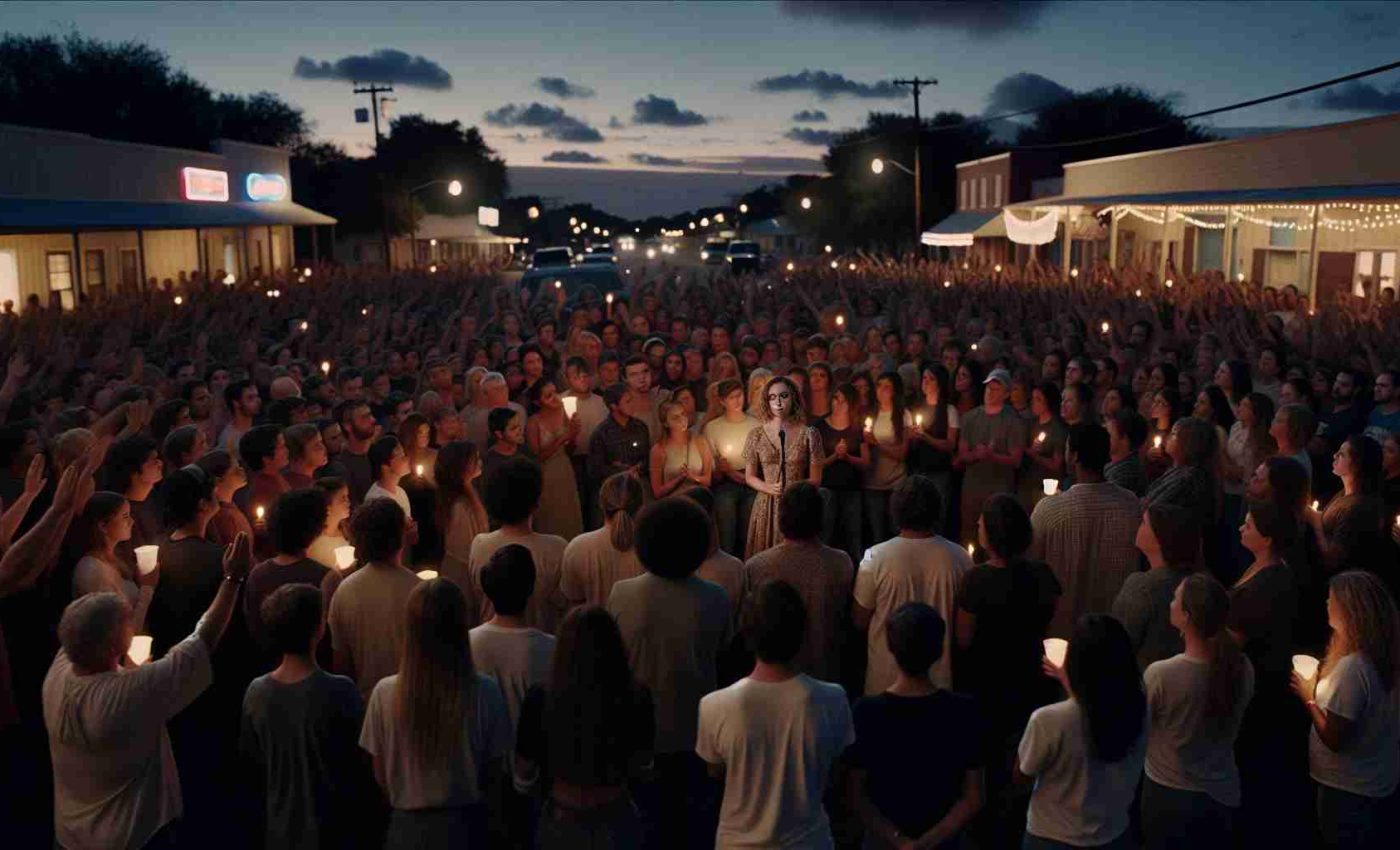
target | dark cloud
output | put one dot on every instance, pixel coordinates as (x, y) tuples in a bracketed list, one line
[(382, 66), (653, 159), (826, 85), (552, 121), (809, 116), (663, 110), (1356, 96), (979, 19), (562, 88), (809, 136), (582, 157), (761, 164), (1023, 91)]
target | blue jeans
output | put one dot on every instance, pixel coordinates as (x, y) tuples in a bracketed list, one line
[(1354, 822), (733, 502), (1173, 818), (877, 515), (841, 513)]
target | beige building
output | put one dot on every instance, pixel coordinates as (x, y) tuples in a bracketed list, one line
[(436, 239), (1317, 208), (79, 215)]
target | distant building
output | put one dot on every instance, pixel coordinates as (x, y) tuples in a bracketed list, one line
[(1317, 208), (775, 236), (80, 216), (984, 188), (437, 239)]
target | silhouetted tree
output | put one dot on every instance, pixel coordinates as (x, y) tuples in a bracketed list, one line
[(1110, 112)]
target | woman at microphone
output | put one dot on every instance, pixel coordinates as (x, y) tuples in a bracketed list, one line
[(780, 451)]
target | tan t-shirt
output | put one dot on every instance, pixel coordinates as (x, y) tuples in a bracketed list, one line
[(115, 782), (546, 605), (368, 622), (592, 566)]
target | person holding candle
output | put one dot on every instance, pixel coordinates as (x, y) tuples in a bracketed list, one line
[(229, 477), (552, 437), (1194, 448), (1196, 702), (887, 436), (622, 443), (437, 730), (1126, 432), (1085, 753), (296, 520), (1164, 411), (332, 537), (990, 448), (1354, 740), (263, 451), (591, 411), (1351, 532), (937, 423), (306, 453), (843, 460), (115, 780), (390, 463), (782, 435), (133, 468), (679, 458), (1270, 748), (728, 431), (1045, 456), (461, 516), (104, 523), (416, 437)]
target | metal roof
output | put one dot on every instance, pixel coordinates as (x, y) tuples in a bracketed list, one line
[(1295, 195), (967, 221), (45, 215)]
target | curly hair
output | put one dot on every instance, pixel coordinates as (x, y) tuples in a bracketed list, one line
[(796, 407)]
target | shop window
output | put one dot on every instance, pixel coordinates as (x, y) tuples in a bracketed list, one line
[(1375, 271), (982, 193), (996, 191), (60, 269), (1282, 235), (94, 268)]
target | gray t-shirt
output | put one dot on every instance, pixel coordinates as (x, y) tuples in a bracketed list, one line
[(1004, 432), (515, 658), (1078, 799), (302, 739), (1369, 764), (1143, 606), (673, 629), (1186, 749)]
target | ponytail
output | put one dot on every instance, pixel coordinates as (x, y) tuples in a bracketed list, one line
[(1206, 602), (620, 498)]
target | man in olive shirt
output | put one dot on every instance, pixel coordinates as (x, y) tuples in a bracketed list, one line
[(990, 447)]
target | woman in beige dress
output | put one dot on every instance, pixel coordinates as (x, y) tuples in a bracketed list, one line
[(551, 436), (461, 516), (779, 413)]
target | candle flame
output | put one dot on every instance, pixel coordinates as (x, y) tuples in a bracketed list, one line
[(418, 470)]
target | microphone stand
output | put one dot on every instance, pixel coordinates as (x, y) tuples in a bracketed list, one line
[(782, 473)]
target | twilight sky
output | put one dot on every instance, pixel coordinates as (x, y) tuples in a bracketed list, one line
[(729, 87)]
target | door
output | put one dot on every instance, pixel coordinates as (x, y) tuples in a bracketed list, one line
[(1256, 268), (128, 270), (1334, 275), (9, 280)]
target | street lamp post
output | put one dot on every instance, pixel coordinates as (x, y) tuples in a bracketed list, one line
[(877, 165), (454, 188)]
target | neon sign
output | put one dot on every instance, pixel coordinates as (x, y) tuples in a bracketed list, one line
[(204, 184), (266, 187)]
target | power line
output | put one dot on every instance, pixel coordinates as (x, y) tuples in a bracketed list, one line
[(975, 122)]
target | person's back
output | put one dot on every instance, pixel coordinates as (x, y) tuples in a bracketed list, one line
[(190, 572), (777, 741), (504, 647), (822, 576), (546, 604), (907, 569), (270, 575), (592, 565), (366, 621), (1186, 748), (1086, 535)]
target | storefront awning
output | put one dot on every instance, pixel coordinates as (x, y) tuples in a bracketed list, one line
[(1295, 195), (44, 215), (959, 229)]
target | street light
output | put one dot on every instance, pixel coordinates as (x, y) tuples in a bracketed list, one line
[(454, 188), (573, 221), (806, 203), (743, 209), (533, 212), (877, 165), (719, 217), (704, 222)]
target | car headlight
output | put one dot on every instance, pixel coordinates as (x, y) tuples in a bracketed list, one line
[(704, 255)]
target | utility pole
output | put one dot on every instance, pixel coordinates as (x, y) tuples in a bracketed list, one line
[(374, 90), (915, 85)]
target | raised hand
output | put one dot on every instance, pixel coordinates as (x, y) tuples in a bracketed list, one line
[(238, 558), (34, 479)]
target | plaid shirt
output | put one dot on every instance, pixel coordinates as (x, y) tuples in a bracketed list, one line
[(614, 447), (1086, 534), (1128, 473)]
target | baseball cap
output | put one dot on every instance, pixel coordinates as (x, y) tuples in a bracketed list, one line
[(998, 375)]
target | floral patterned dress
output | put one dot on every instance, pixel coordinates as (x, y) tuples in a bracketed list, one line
[(802, 453)]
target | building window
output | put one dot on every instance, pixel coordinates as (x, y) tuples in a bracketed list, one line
[(94, 268), (982, 193), (962, 194), (129, 269), (60, 269), (1283, 234), (996, 191), (1375, 271)]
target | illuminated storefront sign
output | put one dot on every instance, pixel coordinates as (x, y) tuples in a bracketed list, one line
[(266, 187), (204, 184), (488, 216)]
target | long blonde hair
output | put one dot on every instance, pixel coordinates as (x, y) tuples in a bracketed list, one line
[(436, 673), (758, 384), (1372, 625)]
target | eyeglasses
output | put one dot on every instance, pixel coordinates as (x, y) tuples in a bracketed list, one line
[(779, 396)]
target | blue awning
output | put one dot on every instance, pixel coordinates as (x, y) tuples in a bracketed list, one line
[(958, 229), (1295, 195), (45, 215)]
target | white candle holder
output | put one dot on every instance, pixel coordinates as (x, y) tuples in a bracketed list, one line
[(140, 651), (1055, 651), (146, 557)]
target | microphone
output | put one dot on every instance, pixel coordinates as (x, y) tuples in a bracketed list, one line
[(782, 457)]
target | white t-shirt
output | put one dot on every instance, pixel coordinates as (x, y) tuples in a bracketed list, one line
[(777, 741), (1077, 799), (887, 471), (592, 565), (546, 605), (1369, 764), (114, 775), (900, 570), (1186, 750), (515, 658), (398, 494), (452, 783)]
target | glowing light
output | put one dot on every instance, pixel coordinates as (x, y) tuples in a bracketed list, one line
[(533, 212), (806, 203), (418, 470), (1157, 442), (583, 224), (432, 242), (146, 557), (1137, 292), (304, 326), (1240, 277), (877, 165), (1051, 486), (1169, 283), (791, 266), (204, 184), (840, 320), (259, 512), (947, 284), (610, 298), (265, 187), (326, 364), (971, 549), (1055, 650), (427, 575), (974, 346), (835, 264), (705, 222), (570, 406), (651, 253), (179, 300), (432, 269), (827, 249), (852, 266), (1315, 504), (997, 268), (559, 284), (597, 230), (307, 272), (918, 420), (576, 231), (1305, 666), (743, 209), (692, 225), (364, 311), (719, 217), (1040, 438), (1104, 327), (454, 188), (869, 424), (229, 279), (1074, 272), (607, 232), (573, 220), (140, 651), (345, 557)]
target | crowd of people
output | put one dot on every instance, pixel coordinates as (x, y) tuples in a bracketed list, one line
[(863, 551)]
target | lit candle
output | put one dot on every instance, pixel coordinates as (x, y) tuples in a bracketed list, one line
[(971, 549), (1157, 441), (1305, 666), (918, 420), (1137, 292), (304, 326), (1055, 649), (146, 558), (140, 651), (432, 269), (840, 320), (325, 367), (307, 273), (258, 512), (344, 557), (427, 575), (1051, 485), (1169, 283), (1314, 504), (1074, 272), (609, 298), (418, 470), (559, 284), (869, 424), (791, 266), (998, 268), (947, 284), (570, 406), (974, 346), (1040, 438), (364, 311), (179, 300), (1104, 326)]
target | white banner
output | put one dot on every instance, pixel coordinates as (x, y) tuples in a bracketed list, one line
[(1036, 231)]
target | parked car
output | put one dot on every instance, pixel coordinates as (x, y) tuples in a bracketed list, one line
[(551, 258), (744, 257), (714, 251)]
